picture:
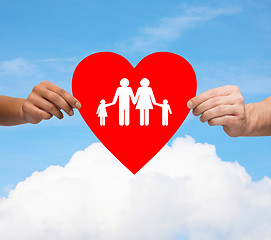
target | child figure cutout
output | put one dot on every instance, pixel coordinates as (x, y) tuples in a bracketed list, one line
[(101, 111), (165, 110), (144, 101)]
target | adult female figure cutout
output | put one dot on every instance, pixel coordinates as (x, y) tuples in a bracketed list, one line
[(144, 99)]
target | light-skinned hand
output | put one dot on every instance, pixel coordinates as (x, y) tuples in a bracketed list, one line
[(223, 106)]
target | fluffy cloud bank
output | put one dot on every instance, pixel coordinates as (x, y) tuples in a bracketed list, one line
[(185, 192)]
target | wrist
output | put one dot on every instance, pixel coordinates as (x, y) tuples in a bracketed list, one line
[(249, 120), (258, 116), (20, 113)]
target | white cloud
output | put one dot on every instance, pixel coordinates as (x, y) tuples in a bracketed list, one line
[(185, 192), (25, 74), (20, 67), (54, 60), (252, 76), (17, 67), (171, 28)]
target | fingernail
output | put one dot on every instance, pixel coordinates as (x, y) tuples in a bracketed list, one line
[(190, 104), (71, 113), (77, 105)]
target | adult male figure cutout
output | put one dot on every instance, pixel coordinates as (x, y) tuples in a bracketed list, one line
[(124, 93)]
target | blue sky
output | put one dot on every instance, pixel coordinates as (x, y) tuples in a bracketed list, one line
[(226, 43)]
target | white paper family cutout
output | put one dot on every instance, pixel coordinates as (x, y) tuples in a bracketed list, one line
[(144, 100)]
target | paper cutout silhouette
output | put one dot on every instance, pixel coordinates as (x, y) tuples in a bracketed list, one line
[(165, 110), (131, 128), (124, 93), (144, 100), (101, 111)]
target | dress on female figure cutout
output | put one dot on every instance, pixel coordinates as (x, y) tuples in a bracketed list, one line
[(144, 95), (144, 99), (101, 111)]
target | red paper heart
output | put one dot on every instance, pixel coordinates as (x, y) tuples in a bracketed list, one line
[(98, 77)]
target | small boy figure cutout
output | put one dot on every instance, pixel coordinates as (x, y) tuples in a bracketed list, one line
[(101, 111), (165, 110)]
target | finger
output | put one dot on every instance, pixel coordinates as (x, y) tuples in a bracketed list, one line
[(221, 91), (222, 121), (40, 114), (211, 103), (72, 101), (219, 111), (47, 106), (57, 100), (35, 114)]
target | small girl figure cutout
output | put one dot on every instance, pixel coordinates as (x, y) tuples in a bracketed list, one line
[(101, 111), (165, 110)]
